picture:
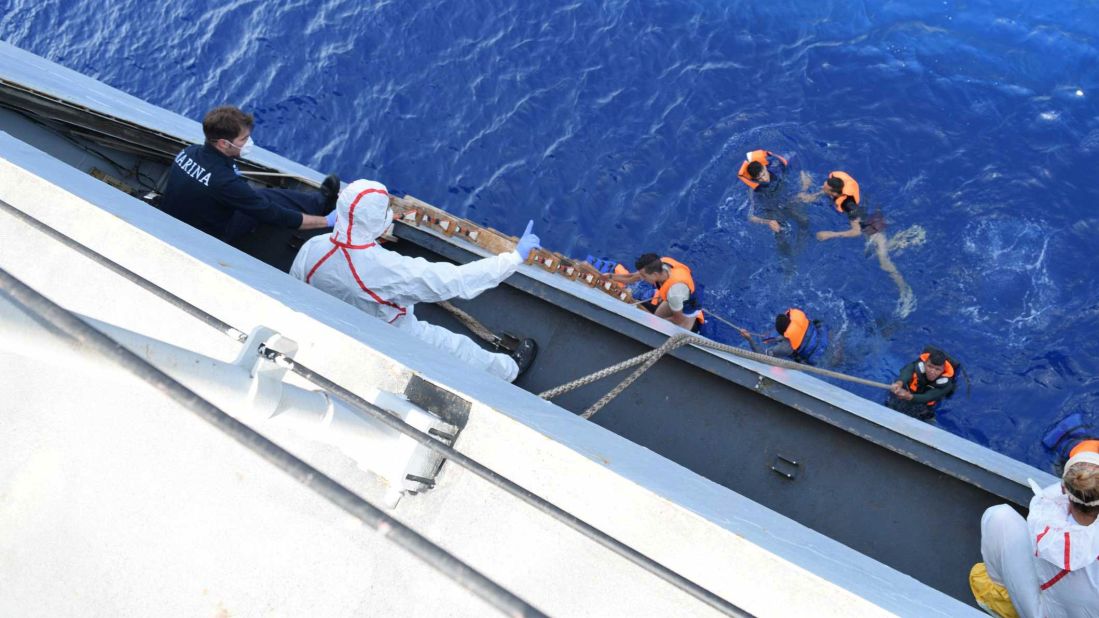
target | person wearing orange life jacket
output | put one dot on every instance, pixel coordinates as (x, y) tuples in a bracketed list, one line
[(844, 195), (758, 169), (923, 384), (1048, 564), (843, 191), (801, 339), (764, 173), (676, 298)]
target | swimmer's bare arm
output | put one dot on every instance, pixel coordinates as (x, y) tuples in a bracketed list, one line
[(806, 196), (856, 229), (771, 223), (771, 347)]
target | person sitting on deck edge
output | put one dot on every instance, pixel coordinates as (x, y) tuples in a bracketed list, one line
[(676, 298), (1045, 565), (205, 188), (800, 339), (923, 384)]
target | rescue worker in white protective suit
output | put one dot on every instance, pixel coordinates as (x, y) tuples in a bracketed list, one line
[(351, 266), (1046, 565)]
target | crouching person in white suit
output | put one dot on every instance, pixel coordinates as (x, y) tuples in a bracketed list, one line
[(1047, 564), (350, 265)]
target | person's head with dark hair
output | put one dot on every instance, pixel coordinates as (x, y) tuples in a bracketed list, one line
[(648, 262), (935, 364), (833, 186), (227, 129), (782, 322), (754, 169), (651, 268)]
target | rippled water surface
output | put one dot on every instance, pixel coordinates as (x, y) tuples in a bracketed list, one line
[(619, 126)]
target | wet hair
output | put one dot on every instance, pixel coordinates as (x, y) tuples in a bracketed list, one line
[(1082, 481), (754, 169), (782, 322), (835, 183), (225, 122), (936, 357), (649, 263)]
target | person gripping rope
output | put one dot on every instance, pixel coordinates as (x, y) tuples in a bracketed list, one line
[(1045, 565), (676, 298), (923, 384), (206, 191), (350, 265), (800, 339)]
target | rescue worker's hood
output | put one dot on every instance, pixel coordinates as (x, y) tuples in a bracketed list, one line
[(1057, 538), (362, 213)]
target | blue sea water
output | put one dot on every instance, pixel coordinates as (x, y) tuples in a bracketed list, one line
[(619, 126)]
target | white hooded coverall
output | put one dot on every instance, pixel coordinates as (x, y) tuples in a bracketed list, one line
[(350, 265), (1048, 562)]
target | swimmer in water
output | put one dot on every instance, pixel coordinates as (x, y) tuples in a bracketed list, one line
[(764, 172), (843, 191)]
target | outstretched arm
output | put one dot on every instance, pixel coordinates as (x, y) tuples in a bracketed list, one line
[(753, 201), (856, 229), (771, 223), (779, 347), (419, 280), (630, 278)]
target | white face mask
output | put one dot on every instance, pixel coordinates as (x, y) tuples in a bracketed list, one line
[(246, 149)]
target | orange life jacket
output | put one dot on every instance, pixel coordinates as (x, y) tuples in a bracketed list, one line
[(799, 325), (1085, 446), (679, 273), (948, 373), (760, 156), (850, 189)]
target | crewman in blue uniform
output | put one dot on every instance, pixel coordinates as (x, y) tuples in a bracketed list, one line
[(206, 191)]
